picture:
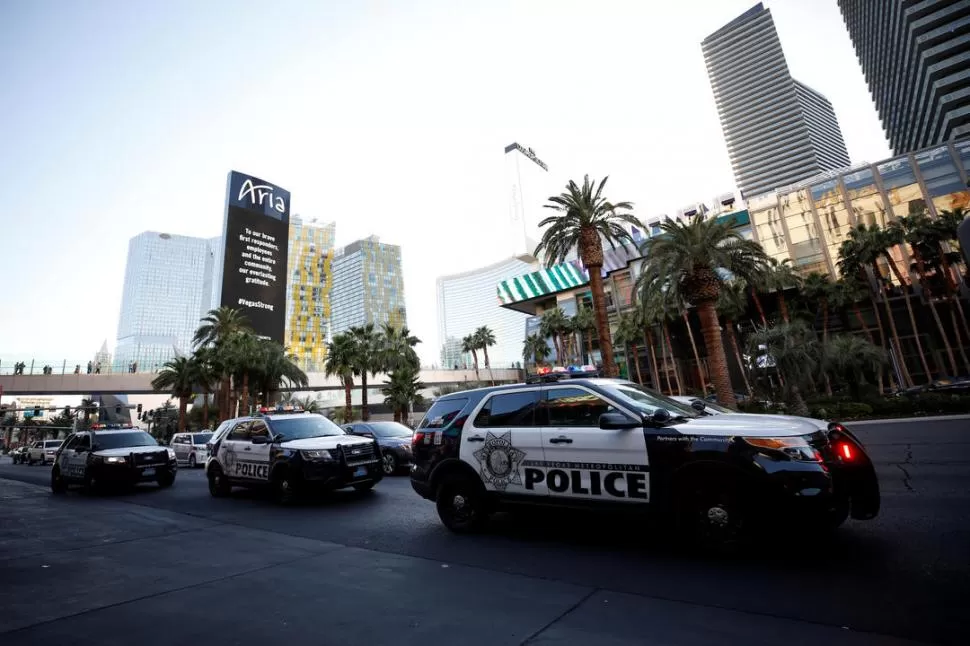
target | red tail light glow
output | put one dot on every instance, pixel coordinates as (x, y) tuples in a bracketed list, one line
[(416, 438), (847, 451)]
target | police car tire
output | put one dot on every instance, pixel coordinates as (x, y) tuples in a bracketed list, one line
[(710, 513), (461, 505), (285, 487), (364, 486), (166, 480), (219, 485), (58, 485)]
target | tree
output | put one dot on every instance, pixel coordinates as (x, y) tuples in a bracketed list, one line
[(627, 334), (535, 349), (242, 354), (402, 391), (851, 360), (177, 378), (398, 347), (584, 322), (484, 338), (206, 375), (793, 349), (215, 328), (341, 363), (367, 359), (274, 369), (690, 257), (777, 277), (468, 344), (731, 305), (585, 219), (817, 289), (552, 325), (651, 313)]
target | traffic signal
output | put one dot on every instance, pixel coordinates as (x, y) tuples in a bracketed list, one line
[(139, 409), (37, 411)]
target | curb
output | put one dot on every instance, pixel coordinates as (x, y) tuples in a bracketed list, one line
[(903, 420)]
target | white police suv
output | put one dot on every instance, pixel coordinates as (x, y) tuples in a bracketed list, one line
[(289, 451), (104, 457), (570, 439)]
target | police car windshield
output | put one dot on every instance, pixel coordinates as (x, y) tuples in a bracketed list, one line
[(123, 440), (201, 438), (303, 427), (649, 401)]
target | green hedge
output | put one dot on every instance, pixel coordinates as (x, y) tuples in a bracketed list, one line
[(922, 404)]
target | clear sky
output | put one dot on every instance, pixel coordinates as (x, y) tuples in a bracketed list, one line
[(388, 118)]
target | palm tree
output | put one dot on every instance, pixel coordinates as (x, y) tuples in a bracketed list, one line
[(367, 353), (484, 337), (817, 289), (402, 391), (341, 362), (585, 219), (793, 349), (398, 347), (205, 377), (535, 349), (650, 313), (177, 377), (627, 334), (216, 327), (584, 322), (275, 369), (553, 324), (778, 277), (862, 248), (685, 315), (851, 360), (688, 257), (731, 305), (468, 344), (241, 354)]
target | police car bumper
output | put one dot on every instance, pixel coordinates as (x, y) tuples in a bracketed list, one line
[(126, 473), (334, 475)]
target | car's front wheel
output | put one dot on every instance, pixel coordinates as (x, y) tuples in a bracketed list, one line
[(461, 504), (219, 485), (166, 480), (389, 464), (192, 461), (285, 487), (711, 513), (58, 485)]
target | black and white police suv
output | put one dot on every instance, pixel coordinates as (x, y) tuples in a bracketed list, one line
[(575, 440), (105, 457), (289, 451)]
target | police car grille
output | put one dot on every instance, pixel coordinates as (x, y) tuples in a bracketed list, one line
[(359, 453), (150, 458)]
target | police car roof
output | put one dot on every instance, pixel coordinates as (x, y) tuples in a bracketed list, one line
[(589, 381)]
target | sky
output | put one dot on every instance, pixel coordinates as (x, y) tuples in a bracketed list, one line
[(386, 117)]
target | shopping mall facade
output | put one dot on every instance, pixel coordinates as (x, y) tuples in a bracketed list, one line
[(806, 223)]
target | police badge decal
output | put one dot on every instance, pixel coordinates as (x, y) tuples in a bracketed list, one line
[(499, 461)]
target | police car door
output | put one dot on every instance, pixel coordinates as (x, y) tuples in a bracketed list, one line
[(584, 461), (77, 458), (501, 440), (232, 450), (258, 454), (64, 459)]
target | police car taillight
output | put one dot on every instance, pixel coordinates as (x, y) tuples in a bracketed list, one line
[(417, 438)]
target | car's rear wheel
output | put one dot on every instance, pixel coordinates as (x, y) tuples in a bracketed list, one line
[(461, 504), (58, 485), (219, 485), (192, 461), (30, 461), (285, 487), (389, 464)]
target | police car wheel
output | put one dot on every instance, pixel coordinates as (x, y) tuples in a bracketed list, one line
[(284, 487), (57, 482), (461, 505), (389, 464), (219, 486), (166, 480), (364, 486), (90, 484), (712, 516)]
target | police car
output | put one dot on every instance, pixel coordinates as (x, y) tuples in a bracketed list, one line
[(573, 439), (289, 450), (119, 456)]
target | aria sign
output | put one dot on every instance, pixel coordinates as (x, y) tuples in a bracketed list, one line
[(528, 153), (257, 195)]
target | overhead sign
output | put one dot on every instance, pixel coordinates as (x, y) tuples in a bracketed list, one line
[(528, 152), (256, 237)]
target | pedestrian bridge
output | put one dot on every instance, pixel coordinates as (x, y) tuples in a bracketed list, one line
[(141, 383)]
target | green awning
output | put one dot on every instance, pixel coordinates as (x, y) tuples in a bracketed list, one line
[(544, 282)]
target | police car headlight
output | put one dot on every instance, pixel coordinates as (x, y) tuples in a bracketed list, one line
[(793, 448), (171, 454), (317, 454), (114, 460)]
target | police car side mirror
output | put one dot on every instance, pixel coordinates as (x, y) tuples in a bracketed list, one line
[(260, 439), (617, 422), (698, 405)]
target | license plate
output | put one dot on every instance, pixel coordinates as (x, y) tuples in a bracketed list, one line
[(147, 472), (360, 472)]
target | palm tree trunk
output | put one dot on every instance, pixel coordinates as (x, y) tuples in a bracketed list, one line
[(799, 407), (892, 328), (588, 336), (912, 319), (475, 363), (673, 360), (648, 339), (602, 319), (733, 340), (183, 404), (956, 332), (244, 398), (364, 412), (783, 306), (757, 304), (636, 362), (716, 358), (921, 274), (485, 352), (697, 357), (205, 407), (348, 402), (663, 352)]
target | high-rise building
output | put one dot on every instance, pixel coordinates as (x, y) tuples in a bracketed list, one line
[(466, 302), (527, 177), (916, 60), (778, 131), (165, 294), (309, 279), (368, 286)]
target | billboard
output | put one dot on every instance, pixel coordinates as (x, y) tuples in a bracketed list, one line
[(254, 253)]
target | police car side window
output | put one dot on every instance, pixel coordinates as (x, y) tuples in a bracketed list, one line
[(509, 409), (239, 432), (573, 407), (84, 442), (71, 443), (258, 429)]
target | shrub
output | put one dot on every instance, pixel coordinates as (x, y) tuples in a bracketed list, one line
[(854, 410)]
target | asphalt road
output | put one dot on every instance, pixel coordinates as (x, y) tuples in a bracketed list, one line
[(155, 566)]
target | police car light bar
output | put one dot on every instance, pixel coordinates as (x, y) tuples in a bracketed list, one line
[(280, 409), (547, 374)]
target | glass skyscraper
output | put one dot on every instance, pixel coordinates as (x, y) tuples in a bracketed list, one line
[(778, 131), (916, 60), (310, 278), (368, 286), (167, 290), (467, 301)]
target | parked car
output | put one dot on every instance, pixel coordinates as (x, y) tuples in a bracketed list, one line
[(19, 454), (191, 448), (394, 440), (43, 452)]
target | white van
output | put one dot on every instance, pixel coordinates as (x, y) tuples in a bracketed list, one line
[(190, 448)]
